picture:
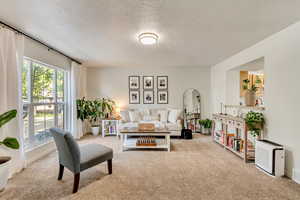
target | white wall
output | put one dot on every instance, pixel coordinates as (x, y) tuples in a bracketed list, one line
[(113, 82), (34, 50), (281, 54)]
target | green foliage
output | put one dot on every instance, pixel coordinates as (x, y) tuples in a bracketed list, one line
[(94, 110), (5, 118), (206, 123), (11, 143), (251, 87), (255, 122), (43, 79)]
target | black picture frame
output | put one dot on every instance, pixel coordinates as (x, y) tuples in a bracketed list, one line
[(146, 101), (138, 97), (145, 87), (159, 101), (138, 82), (158, 84)]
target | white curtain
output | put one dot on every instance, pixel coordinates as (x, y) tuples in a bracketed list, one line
[(78, 91), (11, 60)]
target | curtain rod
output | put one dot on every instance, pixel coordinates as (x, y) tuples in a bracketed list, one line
[(37, 40)]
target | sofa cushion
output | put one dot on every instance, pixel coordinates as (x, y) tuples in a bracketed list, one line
[(128, 125), (155, 114), (125, 116), (163, 115), (172, 127), (134, 116), (173, 115)]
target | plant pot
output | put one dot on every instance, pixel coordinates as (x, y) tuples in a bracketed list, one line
[(250, 98), (4, 171), (95, 130), (205, 131)]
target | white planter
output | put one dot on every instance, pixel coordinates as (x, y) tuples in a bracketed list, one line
[(4, 171), (95, 130), (205, 131)]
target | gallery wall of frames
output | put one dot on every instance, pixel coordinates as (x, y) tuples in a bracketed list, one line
[(147, 85)]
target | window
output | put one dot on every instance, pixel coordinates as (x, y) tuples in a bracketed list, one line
[(44, 101)]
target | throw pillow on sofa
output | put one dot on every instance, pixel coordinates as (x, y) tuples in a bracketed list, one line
[(163, 114), (173, 115), (134, 116), (154, 114), (125, 116)]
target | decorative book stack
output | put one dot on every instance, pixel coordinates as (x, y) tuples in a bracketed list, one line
[(146, 141)]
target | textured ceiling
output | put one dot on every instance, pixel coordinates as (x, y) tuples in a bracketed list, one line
[(192, 32)]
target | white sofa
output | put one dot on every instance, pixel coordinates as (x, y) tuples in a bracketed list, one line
[(168, 118)]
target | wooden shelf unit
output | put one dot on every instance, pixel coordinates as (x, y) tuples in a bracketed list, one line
[(235, 140)]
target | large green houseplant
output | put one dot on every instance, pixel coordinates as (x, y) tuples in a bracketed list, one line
[(94, 110), (9, 142)]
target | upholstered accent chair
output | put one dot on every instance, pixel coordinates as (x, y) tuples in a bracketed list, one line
[(79, 158)]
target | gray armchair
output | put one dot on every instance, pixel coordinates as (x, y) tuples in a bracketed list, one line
[(78, 158)]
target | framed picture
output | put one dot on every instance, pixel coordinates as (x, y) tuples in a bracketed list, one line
[(134, 97), (162, 97), (162, 82), (134, 82), (148, 82), (148, 97)]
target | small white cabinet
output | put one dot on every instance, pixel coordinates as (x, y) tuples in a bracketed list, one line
[(110, 127)]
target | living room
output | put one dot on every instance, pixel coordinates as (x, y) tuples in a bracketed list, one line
[(149, 99)]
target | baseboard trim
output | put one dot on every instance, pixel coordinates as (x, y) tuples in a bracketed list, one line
[(296, 175)]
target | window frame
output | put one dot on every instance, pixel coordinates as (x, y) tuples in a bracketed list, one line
[(31, 104)]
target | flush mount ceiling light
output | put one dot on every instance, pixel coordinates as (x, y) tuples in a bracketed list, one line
[(148, 38)]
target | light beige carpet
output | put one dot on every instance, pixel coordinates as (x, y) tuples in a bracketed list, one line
[(195, 169)]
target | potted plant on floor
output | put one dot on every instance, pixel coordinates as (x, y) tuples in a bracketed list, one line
[(95, 113), (10, 143), (250, 94), (205, 126), (82, 113)]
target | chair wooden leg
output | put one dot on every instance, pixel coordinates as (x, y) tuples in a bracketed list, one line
[(76, 182), (61, 172), (109, 166)]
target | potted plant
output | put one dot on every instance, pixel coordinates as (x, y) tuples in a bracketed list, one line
[(82, 113), (250, 94), (94, 111), (10, 143), (254, 122), (205, 126), (95, 114)]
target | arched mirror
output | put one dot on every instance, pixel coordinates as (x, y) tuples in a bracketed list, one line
[(192, 109)]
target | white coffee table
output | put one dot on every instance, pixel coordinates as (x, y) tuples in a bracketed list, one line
[(130, 143)]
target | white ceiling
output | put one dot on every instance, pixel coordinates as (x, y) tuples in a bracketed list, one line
[(192, 32)]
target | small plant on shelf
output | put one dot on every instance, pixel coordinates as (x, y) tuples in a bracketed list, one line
[(250, 88), (254, 122)]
